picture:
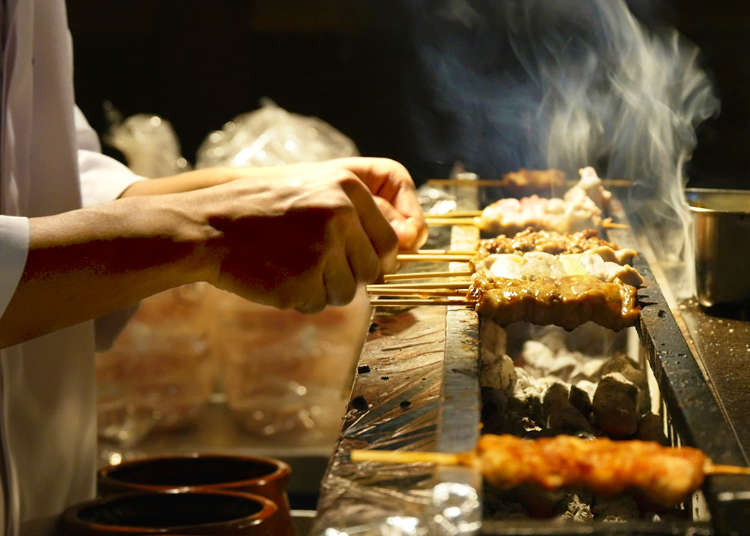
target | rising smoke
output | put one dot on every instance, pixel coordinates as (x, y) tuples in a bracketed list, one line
[(565, 84)]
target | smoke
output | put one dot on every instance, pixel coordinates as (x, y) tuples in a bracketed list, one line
[(565, 84)]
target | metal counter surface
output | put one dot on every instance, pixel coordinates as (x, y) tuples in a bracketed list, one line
[(721, 338)]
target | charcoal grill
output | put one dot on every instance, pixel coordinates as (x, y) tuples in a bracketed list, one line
[(417, 388)]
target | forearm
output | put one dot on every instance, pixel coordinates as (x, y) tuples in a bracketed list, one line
[(184, 182), (89, 262)]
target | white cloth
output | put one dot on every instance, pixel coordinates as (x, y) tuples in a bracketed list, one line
[(49, 163)]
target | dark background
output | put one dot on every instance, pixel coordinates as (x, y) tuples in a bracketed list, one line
[(351, 63)]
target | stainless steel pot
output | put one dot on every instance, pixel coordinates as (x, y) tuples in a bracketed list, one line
[(722, 244)]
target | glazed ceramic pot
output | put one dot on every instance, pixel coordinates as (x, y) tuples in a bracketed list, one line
[(220, 513), (266, 477)]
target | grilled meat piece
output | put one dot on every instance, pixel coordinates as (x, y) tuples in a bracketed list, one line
[(581, 208), (665, 475), (567, 301)]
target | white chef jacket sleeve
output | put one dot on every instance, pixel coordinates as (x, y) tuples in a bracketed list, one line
[(102, 178), (14, 246)]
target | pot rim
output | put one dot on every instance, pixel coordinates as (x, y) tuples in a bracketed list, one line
[(281, 471), (709, 191), (70, 516)]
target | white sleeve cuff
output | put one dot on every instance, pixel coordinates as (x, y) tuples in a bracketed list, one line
[(102, 178), (14, 247)]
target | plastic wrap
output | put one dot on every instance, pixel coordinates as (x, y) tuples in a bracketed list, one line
[(271, 136), (411, 379), (148, 142)]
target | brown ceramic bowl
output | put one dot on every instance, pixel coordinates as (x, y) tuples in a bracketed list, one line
[(219, 513), (266, 477)]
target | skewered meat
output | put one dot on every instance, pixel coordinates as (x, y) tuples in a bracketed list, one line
[(665, 475), (581, 208), (601, 263), (551, 242), (567, 301), (534, 179)]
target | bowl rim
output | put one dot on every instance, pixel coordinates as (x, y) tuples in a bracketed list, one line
[(281, 471), (70, 517)]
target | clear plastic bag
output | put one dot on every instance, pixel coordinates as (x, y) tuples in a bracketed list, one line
[(148, 142), (271, 136)]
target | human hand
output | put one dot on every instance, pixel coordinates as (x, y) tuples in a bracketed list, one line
[(395, 196), (388, 181), (302, 237)]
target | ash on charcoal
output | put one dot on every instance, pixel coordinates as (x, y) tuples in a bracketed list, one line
[(581, 399), (497, 371), (578, 508), (616, 405)]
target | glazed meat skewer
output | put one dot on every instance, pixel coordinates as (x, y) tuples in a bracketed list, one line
[(665, 475)]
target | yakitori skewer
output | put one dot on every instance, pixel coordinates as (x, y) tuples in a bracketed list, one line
[(412, 291), (439, 257), (430, 285), (446, 220), (666, 475), (404, 302), (425, 275), (609, 183)]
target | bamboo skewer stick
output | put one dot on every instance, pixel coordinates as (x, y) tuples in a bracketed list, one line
[(618, 183), (455, 214), (400, 302), (469, 458), (609, 224), (410, 257), (405, 456), (405, 291), (446, 252), (425, 275), (441, 222), (432, 284), (719, 469)]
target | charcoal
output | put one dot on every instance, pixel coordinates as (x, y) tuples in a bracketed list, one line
[(494, 408), (617, 508), (555, 398), (581, 400), (625, 366), (538, 502), (568, 420), (616, 405), (651, 428), (497, 371)]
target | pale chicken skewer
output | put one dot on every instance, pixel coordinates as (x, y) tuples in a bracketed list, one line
[(583, 206), (665, 475)]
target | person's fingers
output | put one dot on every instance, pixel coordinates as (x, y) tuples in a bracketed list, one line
[(338, 280), (392, 182), (361, 256), (313, 296), (374, 224), (388, 179), (409, 238)]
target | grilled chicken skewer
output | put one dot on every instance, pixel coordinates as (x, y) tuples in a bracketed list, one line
[(665, 475), (581, 207)]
